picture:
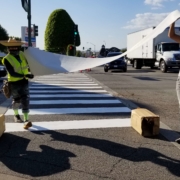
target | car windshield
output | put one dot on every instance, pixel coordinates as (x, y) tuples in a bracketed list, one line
[(170, 47), (113, 54)]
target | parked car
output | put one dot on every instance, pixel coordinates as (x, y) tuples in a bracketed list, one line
[(119, 63), (3, 71)]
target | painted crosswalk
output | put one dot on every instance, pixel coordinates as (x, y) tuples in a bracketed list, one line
[(67, 125), (72, 94)]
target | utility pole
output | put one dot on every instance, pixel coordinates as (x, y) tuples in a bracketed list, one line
[(26, 4), (29, 23)]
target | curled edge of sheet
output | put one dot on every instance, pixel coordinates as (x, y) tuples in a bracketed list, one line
[(46, 63)]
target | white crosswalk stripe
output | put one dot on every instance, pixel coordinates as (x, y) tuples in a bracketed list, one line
[(72, 93), (63, 125), (69, 95), (68, 90), (75, 110), (64, 87)]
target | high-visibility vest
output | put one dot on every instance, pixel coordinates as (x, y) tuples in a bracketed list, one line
[(19, 67)]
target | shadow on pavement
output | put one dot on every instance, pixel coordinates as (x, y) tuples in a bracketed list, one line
[(47, 160), (146, 78), (44, 162)]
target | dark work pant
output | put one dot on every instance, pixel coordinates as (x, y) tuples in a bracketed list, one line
[(20, 94)]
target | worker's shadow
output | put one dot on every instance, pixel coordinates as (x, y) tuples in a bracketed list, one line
[(140, 154), (48, 161), (42, 162)]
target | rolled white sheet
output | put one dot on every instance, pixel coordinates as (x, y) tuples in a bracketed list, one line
[(46, 63)]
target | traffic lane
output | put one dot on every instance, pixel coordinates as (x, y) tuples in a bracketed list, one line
[(147, 88), (112, 153)]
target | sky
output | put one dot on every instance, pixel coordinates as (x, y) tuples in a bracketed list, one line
[(99, 21)]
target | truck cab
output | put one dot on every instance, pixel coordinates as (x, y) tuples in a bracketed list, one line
[(167, 55)]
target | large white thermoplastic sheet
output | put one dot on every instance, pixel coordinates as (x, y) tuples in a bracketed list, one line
[(46, 63)]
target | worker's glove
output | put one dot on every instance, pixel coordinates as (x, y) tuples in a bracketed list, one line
[(30, 76)]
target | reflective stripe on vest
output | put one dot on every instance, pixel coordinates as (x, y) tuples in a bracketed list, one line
[(20, 68)]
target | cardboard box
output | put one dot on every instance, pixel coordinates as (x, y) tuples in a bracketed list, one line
[(2, 124), (145, 122)]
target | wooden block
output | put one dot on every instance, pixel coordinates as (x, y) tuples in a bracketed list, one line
[(2, 124), (145, 122)]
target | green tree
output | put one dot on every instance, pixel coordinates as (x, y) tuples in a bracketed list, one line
[(59, 32), (123, 50), (3, 36), (78, 53)]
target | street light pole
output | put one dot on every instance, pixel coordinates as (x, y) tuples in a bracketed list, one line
[(93, 45), (29, 23)]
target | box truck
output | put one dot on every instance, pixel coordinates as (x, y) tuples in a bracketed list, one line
[(161, 52)]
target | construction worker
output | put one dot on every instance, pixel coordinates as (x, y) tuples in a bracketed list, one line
[(18, 75), (176, 38)]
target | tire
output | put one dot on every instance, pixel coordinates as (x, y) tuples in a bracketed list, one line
[(105, 69), (133, 65), (137, 64), (163, 67), (125, 69)]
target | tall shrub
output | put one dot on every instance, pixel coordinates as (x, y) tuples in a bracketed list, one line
[(59, 32)]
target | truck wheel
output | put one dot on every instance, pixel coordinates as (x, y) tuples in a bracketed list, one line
[(163, 67), (137, 64)]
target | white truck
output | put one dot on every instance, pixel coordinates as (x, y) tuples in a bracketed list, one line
[(161, 52)]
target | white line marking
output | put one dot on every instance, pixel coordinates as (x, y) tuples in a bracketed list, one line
[(66, 125), (42, 102), (68, 90), (68, 95), (71, 84), (74, 110), (57, 78), (65, 87), (64, 75), (63, 81)]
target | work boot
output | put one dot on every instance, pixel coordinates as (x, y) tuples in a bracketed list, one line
[(27, 124), (178, 140), (18, 119)]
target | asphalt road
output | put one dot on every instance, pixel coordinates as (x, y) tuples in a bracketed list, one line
[(146, 88), (99, 152)]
